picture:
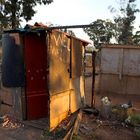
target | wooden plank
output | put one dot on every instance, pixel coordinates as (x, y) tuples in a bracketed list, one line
[(75, 127)]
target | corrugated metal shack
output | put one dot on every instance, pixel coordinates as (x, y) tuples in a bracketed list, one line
[(120, 69), (42, 74)]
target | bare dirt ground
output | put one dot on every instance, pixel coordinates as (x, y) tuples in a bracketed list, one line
[(104, 129), (90, 129)]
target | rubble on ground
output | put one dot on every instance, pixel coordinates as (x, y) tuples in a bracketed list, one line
[(66, 129), (8, 121), (114, 117)]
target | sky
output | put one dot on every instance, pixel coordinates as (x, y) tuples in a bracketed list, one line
[(76, 12)]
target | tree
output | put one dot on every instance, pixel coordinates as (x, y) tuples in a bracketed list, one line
[(124, 21), (11, 11), (101, 31), (121, 28), (136, 38)]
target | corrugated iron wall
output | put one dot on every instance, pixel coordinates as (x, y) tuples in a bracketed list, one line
[(65, 76), (59, 62)]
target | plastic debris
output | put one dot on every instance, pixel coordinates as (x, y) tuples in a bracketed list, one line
[(128, 105), (93, 111), (106, 101), (106, 107)]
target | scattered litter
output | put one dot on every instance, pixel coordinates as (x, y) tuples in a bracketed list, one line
[(66, 129), (106, 101), (114, 118), (137, 132), (99, 122), (123, 112), (128, 105), (119, 113), (106, 107), (93, 111), (10, 122), (128, 120), (84, 127)]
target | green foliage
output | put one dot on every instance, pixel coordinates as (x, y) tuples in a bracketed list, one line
[(11, 11), (135, 119), (136, 38), (101, 31), (75, 137), (124, 21), (137, 132)]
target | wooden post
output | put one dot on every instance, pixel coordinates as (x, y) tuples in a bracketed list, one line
[(93, 79)]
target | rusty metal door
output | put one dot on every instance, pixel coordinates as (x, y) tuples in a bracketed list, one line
[(36, 75)]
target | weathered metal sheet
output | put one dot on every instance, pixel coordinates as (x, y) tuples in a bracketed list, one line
[(66, 102), (131, 62), (77, 66), (12, 60), (110, 60), (127, 85), (12, 102), (75, 94), (59, 76), (120, 60), (65, 92), (133, 85), (120, 69), (59, 65), (82, 89), (110, 83), (59, 108), (76, 58)]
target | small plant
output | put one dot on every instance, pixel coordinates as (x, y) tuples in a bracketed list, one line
[(137, 132), (135, 120), (75, 137)]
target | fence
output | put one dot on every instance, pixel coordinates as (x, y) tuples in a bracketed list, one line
[(120, 69)]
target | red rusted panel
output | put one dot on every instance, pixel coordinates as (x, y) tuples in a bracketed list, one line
[(36, 106), (36, 75)]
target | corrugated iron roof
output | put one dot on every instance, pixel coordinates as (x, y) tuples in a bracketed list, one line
[(37, 27)]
